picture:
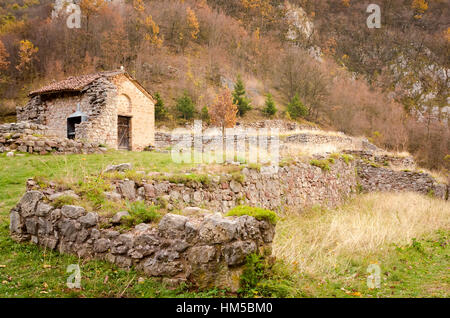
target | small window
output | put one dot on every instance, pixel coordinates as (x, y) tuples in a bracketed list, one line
[(71, 122)]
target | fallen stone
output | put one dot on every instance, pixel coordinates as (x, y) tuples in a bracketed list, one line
[(116, 219), (121, 167)]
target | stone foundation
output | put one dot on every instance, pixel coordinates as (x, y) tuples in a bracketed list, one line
[(208, 249)]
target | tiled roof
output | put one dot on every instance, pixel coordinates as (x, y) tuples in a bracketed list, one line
[(73, 83)]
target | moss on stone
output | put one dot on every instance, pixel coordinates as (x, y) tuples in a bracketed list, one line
[(257, 213)]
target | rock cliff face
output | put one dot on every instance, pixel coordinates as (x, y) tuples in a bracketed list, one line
[(207, 249)]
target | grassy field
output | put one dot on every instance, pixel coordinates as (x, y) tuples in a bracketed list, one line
[(320, 253)]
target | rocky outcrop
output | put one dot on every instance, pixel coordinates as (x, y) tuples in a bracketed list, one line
[(207, 249)]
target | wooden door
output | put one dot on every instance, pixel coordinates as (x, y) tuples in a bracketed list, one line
[(123, 130)]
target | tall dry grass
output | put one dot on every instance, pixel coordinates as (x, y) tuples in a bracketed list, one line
[(318, 240)]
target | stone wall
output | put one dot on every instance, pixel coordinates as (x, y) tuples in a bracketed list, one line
[(102, 101), (373, 178), (140, 107), (296, 186), (32, 138), (207, 249)]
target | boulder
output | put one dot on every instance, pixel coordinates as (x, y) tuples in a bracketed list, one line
[(116, 219), (72, 211), (120, 167)]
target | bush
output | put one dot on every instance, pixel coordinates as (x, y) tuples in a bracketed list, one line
[(63, 200), (141, 213), (205, 115), (257, 213), (160, 109), (322, 164), (270, 108), (185, 106), (296, 109)]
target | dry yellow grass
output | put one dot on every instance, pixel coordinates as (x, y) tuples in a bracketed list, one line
[(318, 240)]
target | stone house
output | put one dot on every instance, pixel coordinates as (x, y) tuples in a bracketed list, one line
[(108, 108)]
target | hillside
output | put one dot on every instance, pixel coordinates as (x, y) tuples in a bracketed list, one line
[(365, 82)]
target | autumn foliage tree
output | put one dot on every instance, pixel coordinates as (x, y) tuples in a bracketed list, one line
[(223, 112), (4, 63)]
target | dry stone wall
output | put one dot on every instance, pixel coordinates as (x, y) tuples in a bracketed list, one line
[(296, 186), (32, 138), (207, 249), (373, 178)]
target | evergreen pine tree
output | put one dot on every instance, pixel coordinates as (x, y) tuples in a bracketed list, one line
[(185, 106), (239, 98), (270, 108), (296, 108), (160, 109)]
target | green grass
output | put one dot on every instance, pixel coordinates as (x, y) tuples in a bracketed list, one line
[(140, 212), (416, 269), (323, 164), (258, 213)]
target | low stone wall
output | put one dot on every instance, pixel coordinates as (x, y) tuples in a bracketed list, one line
[(207, 249), (373, 178), (34, 138), (297, 185), (384, 159)]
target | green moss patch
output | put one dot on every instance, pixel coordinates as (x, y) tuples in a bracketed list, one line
[(257, 213)]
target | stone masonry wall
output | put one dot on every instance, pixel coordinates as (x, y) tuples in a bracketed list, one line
[(32, 138), (373, 178), (207, 249), (102, 100), (136, 104), (295, 186)]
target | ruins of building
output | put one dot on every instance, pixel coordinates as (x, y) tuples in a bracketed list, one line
[(108, 108)]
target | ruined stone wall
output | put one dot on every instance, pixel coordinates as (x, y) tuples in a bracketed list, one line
[(207, 249), (101, 127), (133, 103), (34, 138), (295, 186), (373, 178), (102, 100)]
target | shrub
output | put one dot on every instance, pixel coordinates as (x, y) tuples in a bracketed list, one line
[(257, 213), (63, 200), (205, 115), (185, 106), (322, 164), (141, 213), (296, 109)]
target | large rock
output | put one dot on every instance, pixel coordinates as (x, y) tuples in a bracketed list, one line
[(72, 211), (89, 220), (217, 229), (29, 201), (116, 219), (236, 252), (43, 209), (171, 224), (121, 167), (127, 188)]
